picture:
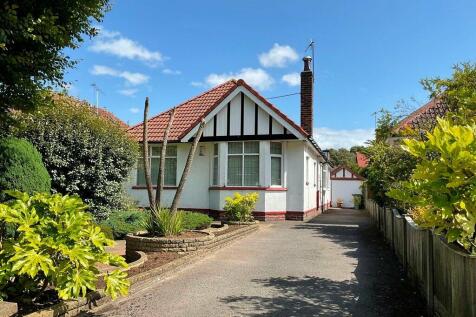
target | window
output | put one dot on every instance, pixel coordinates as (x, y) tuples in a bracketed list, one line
[(315, 174), (307, 170), (276, 163), (324, 177), (215, 164), (243, 164), (170, 175)]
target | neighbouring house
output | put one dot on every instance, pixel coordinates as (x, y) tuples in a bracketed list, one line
[(420, 120), (248, 145), (345, 183), (361, 159)]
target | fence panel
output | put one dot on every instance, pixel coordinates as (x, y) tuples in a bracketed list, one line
[(399, 242)]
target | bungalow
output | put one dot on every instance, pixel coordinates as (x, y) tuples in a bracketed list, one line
[(248, 145)]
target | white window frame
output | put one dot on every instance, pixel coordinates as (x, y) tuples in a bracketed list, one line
[(243, 154), (280, 156), (217, 157), (151, 156)]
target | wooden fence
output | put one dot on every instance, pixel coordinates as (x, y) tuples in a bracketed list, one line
[(445, 275)]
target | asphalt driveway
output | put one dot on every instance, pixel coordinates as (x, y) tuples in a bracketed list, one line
[(334, 265)]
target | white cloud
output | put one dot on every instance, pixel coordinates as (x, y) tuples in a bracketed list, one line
[(128, 92), (114, 43), (255, 77), (134, 110), (333, 138), (278, 56), (169, 71), (197, 84), (131, 78), (292, 79)]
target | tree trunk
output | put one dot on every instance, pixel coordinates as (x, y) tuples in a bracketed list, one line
[(188, 166), (161, 176), (145, 153)]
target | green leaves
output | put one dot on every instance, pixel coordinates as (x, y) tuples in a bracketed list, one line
[(240, 207), (116, 284), (443, 184), (56, 243)]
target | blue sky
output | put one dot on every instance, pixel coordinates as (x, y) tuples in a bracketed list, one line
[(370, 54)]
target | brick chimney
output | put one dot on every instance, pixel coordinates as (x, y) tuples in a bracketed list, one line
[(307, 96)]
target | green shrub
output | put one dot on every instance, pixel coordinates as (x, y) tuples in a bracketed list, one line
[(56, 246), (106, 230), (162, 222), (196, 221), (124, 222), (85, 153), (442, 188), (240, 207), (21, 168)]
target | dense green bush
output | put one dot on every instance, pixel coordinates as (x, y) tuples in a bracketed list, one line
[(21, 168), (196, 221), (125, 221), (442, 189), (163, 222), (240, 207), (107, 230), (85, 153), (387, 166), (56, 245)]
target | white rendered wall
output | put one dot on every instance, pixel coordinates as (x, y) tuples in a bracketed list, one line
[(344, 189)]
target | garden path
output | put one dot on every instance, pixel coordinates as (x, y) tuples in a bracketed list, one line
[(333, 265)]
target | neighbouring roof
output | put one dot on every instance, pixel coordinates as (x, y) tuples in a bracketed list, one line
[(362, 160), (101, 112), (189, 113), (423, 116), (352, 175)]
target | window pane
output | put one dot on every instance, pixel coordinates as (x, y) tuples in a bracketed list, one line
[(215, 171), (234, 170), (251, 170), (235, 148), (276, 148), (154, 169), (140, 172), (171, 150), (215, 149), (156, 150), (170, 177), (251, 147), (275, 171)]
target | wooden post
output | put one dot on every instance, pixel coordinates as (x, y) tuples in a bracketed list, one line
[(145, 152), (188, 166), (161, 176), (431, 277)]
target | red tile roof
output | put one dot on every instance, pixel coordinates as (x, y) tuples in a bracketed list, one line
[(423, 115), (362, 160), (189, 113)]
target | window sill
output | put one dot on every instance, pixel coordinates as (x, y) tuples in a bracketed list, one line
[(153, 186), (281, 189)]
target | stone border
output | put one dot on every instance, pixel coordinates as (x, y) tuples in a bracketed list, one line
[(136, 243), (98, 298), (242, 223)]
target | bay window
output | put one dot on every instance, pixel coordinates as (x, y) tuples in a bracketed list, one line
[(243, 164), (170, 173)]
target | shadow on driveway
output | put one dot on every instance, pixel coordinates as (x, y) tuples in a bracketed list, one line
[(378, 288)]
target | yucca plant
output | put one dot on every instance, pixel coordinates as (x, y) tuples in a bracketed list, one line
[(163, 222)]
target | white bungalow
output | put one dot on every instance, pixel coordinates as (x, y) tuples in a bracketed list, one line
[(248, 145)]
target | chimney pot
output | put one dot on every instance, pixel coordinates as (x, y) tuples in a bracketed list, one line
[(307, 63)]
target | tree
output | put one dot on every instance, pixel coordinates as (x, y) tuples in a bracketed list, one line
[(84, 153), (33, 36), (21, 168), (343, 157)]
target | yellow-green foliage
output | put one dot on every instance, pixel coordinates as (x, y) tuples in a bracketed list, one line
[(57, 245), (240, 207), (443, 183)]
